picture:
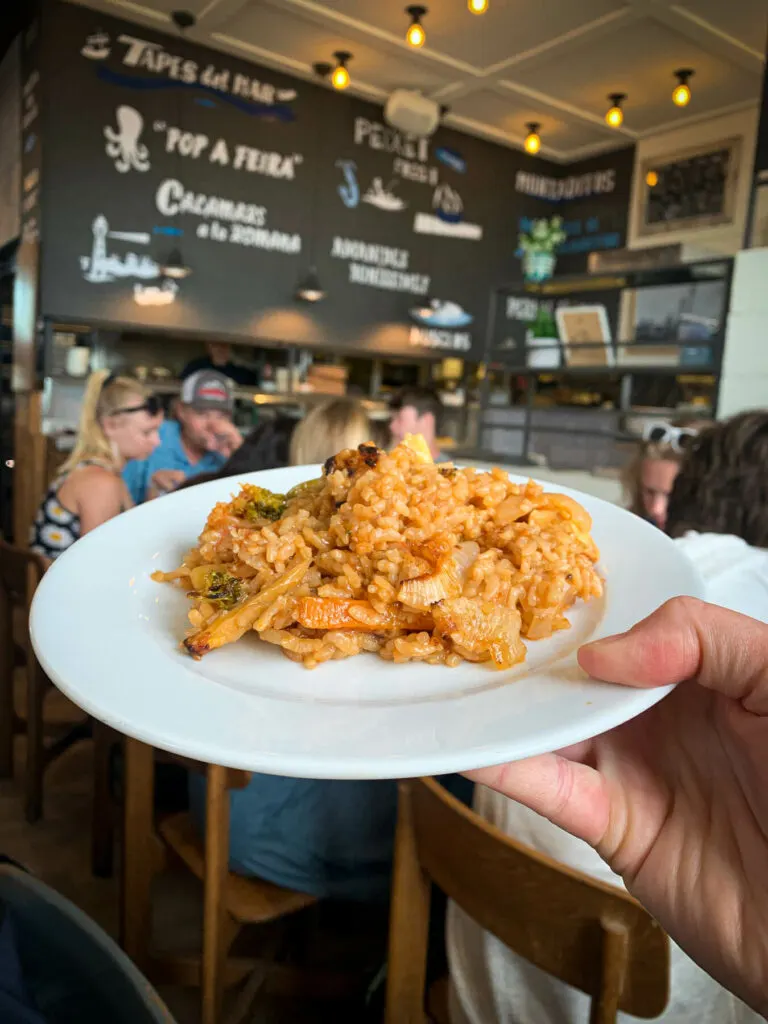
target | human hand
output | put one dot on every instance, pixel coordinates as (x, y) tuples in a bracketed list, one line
[(163, 481), (676, 801), (225, 438)]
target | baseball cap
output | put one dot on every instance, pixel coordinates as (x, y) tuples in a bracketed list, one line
[(208, 389)]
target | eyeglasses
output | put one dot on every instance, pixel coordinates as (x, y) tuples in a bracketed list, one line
[(679, 439)]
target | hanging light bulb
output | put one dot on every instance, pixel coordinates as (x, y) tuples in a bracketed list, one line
[(477, 6), (416, 36), (681, 94), (532, 139), (340, 74), (651, 179), (614, 116)]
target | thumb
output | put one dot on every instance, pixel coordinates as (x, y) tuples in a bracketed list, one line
[(688, 639)]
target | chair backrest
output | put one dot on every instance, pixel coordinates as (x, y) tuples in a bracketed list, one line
[(591, 935), (20, 572), (71, 958)]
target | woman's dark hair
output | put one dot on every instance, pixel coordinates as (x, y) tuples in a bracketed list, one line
[(722, 486), (266, 447)]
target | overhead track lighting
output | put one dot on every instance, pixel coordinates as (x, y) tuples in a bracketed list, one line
[(416, 36), (533, 139), (681, 94), (340, 74), (614, 116)]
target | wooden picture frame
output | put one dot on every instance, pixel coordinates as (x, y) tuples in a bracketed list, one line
[(581, 328), (719, 161)]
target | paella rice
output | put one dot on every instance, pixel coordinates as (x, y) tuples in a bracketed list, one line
[(390, 554)]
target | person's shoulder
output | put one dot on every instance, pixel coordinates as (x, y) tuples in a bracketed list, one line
[(201, 363), (96, 478)]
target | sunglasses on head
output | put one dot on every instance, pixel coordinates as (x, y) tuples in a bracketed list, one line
[(679, 439), (151, 404)]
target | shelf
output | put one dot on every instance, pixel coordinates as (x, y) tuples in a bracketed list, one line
[(605, 371), (684, 273)]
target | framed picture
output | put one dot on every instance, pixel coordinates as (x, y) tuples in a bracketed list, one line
[(585, 335), (695, 188)]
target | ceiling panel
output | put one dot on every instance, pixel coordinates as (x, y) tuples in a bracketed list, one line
[(299, 39), (746, 20), (640, 63), (508, 26), (509, 114), (600, 46)]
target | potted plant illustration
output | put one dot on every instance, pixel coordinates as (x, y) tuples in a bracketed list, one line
[(538, 248), (542, 342)]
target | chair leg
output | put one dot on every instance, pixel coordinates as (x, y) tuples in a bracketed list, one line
[(6, 686), (215, 929), (138, 859), (103, 812), (33, 783)]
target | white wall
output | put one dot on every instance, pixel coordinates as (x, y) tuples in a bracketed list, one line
[(744, 381), (725, 239)]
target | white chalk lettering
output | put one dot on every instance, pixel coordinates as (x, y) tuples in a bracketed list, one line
[(387, 140)]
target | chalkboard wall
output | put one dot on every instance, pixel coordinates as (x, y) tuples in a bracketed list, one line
[(152, 144)]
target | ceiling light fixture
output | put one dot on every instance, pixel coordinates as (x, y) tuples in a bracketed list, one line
[(310, 289), (532, 139), (477, 6), (322, 68), (175, 267), (340, 75), (416, 36), (614, 116), (681, 94), (651, 179)]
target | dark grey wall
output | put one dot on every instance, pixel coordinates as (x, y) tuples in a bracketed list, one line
[(153, 143)]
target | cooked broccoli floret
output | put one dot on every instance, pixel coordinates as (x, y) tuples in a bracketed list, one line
[(257, 503), (222, 588)]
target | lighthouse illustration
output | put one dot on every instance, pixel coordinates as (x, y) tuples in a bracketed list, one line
[(97, 270), (102, 266)]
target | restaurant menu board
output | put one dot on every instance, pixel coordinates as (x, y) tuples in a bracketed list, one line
[(155, 145)]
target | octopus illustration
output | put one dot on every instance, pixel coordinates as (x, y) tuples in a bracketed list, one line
[(123, 145)]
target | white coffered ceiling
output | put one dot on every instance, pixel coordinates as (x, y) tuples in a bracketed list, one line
[(552, 61)]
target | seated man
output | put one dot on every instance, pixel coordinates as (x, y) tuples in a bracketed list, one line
[(199, 440), (417, 411), (719, 511)]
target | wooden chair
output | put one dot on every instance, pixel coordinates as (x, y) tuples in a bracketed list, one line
[(579, 930), (229, 901), (20, 572)]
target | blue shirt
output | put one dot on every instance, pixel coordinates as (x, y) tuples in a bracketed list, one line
[(331, 839), (169, 454)]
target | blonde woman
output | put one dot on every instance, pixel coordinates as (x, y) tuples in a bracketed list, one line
[(650, 476), (329, 428), (119, 421)]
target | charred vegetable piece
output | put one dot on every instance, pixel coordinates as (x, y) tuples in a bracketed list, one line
[(222, 588), (257, 503), (354, 460), (230, 625), (346, 613)]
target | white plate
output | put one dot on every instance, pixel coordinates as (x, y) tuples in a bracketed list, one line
[(109, 637)]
